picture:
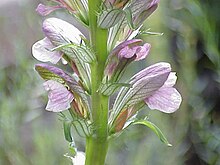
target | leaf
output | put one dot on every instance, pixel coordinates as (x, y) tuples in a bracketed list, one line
[(154, 128), (67, 130), (108, 19)]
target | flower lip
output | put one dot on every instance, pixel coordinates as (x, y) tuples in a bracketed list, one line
[(166, 99), (41, 51), (59, 97)]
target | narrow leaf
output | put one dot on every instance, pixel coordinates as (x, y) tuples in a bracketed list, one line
[(154, 128), (67, 130)]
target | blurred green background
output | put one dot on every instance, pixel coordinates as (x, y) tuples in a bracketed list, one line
[(191, 42)]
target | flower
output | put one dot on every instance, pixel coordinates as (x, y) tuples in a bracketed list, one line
[(58, 33), (153, 86), (122, 55), (63, 38), (64, 91)]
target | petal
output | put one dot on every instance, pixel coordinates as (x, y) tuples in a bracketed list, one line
[(122, 45), (59, 97), (41, 51), (61, 32), (44, 68), (142, 51), (126, 52), (171, 80), (45, 10), (166, 100)]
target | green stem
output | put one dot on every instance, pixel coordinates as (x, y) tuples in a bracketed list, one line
[(97, 144)]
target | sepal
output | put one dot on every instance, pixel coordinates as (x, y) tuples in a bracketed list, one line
[(108, 89), (109, 18)]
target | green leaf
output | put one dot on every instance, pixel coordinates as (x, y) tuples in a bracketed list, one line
[(154, 128), (67, 130), (72, 149)]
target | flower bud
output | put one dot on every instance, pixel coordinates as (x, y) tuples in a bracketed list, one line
[(78, 7), (45, 10), (122, 55)]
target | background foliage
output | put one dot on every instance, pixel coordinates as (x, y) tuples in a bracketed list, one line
[(191, 42)]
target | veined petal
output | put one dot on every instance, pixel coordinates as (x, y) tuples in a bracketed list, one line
[(153, 70), (122, 45), (59, 97), (41, 50), (126, 52), (166, 99), (44, 10), (61, 32)]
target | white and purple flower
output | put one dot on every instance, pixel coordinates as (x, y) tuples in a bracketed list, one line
[(58, 33), (154, 86)]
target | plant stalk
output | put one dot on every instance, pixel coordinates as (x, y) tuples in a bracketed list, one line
[(97, 144)]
